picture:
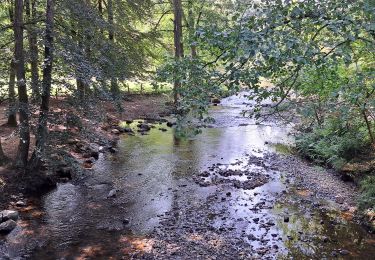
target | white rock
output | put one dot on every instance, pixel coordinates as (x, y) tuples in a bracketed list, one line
[(8, 214), (112, 193)]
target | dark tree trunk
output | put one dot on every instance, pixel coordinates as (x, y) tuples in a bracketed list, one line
[(82, 85), (2, 155), (23, 147), (42, 132), (30, 6), (12, 117), (111, 37), (178, 45)]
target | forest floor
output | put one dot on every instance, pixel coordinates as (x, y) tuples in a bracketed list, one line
[(96, 120)]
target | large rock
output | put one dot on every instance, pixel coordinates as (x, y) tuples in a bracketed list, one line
[(7, 226), (8, 214)]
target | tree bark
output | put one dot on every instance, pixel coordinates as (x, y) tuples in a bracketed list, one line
[(178, 45), (12, 117), (2, 155), (191, 26), (42, 131), (24, 132), (368, 125), (111, 37), (30, 6)]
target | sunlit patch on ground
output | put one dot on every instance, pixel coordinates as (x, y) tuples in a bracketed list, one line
[(135, 244), (347, 215), (304, 193), (90, 251), (2, 183), (93, 205)]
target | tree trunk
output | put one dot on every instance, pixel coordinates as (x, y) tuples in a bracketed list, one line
[(42, 131), (82, 85), (34, 55), (368, 125), (178, 45), (12, 117), (2, 155), (23, 147), (191, 26), (111, 37)]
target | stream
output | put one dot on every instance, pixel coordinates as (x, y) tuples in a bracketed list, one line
[(218, 194)]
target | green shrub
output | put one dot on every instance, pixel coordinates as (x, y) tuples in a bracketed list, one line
[(332, 144), (367, 199)]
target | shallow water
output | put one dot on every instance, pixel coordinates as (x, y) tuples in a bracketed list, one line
[(152, 175)]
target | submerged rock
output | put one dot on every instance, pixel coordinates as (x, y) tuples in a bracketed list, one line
[(144, 127), (7, 226)]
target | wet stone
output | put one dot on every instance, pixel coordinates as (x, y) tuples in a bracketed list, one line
[(7, 226), (112, 193), (8, 214), (344, 252)]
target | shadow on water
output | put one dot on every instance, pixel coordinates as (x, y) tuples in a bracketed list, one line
[(148, 175)]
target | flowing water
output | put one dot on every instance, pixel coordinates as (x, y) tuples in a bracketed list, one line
[(153, 175)]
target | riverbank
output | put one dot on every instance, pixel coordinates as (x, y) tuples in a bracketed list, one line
[(76, 136)]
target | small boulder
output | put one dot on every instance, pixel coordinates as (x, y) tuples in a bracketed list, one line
[(170, 124), (7, 226), (144, 127), (115, 131), (344, 252), (112, 150), (8, 214), (339, 199), (21, 203), (112, 193), (64, 172), (128, 130)]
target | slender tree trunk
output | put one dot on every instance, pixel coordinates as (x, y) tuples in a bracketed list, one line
[(42, 131), (111, 37), (23, 147), (30, 6), (12, 117), (82, 85), (191, 26), (100, 9), (2, 155), (368, 125), (178, 45)]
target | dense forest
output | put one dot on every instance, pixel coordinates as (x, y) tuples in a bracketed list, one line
[(76, 75)]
